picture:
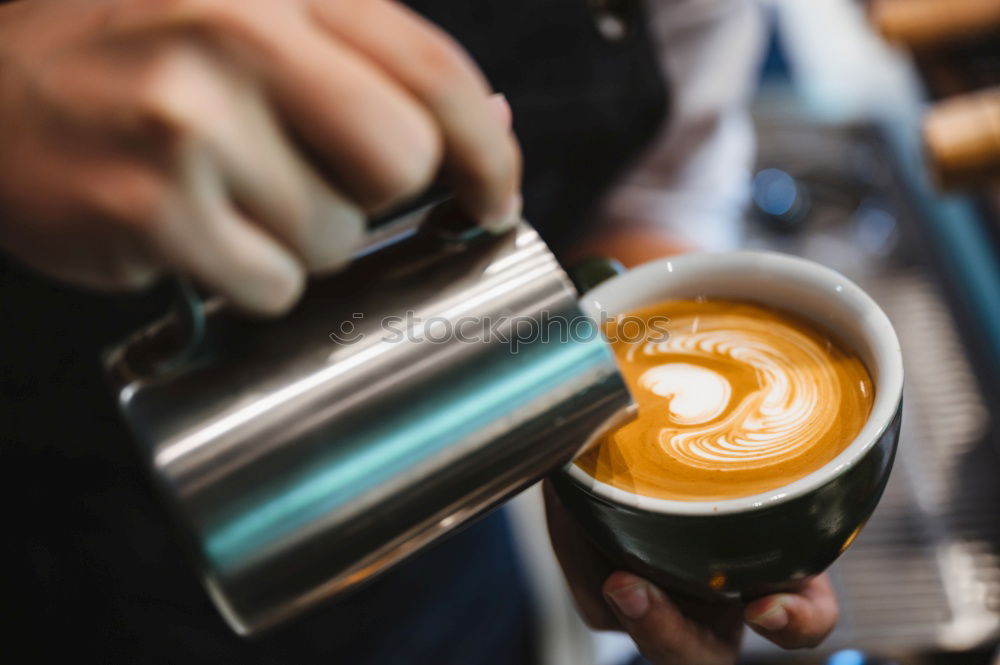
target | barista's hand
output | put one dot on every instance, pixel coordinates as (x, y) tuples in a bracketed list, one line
[(669, 632), (241, 143)]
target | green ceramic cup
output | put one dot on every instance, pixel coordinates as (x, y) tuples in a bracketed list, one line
[(749, 546)]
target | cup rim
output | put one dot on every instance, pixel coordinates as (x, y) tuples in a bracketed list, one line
[(888, 393)]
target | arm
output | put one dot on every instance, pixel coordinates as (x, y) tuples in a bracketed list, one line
[(688, 191)]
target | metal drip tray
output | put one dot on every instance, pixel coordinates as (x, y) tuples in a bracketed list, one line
[(925, 573)]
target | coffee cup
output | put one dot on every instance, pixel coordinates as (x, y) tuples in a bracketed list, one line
[(748, 546)]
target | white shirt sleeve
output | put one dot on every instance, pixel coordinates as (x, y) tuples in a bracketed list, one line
[(694, 180)]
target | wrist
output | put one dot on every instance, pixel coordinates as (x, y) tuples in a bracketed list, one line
[(631, 242)]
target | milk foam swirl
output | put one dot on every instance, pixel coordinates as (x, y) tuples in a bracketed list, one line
[(739, 399), (787, 398)]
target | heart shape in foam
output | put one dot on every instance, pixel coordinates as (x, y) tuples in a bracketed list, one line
[(694, 394)]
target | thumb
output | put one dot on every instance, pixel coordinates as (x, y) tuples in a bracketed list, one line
[(661, 630)]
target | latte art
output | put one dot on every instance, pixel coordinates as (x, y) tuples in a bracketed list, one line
[(694, 394), (752, 427), (738, 399)]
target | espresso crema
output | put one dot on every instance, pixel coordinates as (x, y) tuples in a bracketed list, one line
[(734, 399)]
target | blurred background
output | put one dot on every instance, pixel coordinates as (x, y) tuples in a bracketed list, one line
[(878, 154)]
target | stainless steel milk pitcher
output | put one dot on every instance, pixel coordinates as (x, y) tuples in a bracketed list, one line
[(401, 398)]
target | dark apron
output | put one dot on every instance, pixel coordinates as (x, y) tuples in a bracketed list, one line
[(93, 572)]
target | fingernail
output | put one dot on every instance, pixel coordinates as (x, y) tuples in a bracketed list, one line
[(773, 619), (631, 601), (274, 294), (507, 218), (501, 108)]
